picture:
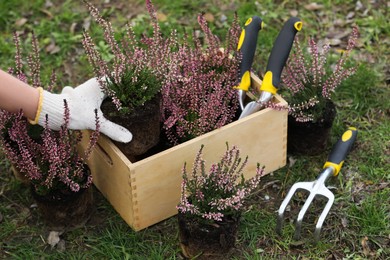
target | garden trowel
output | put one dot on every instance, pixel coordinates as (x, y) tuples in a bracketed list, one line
[(247, 46), (276, 61)]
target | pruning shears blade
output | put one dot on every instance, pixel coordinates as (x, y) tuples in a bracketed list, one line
[(276, 61)]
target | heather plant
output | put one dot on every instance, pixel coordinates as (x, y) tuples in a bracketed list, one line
[(219, 193), (198, 94), (136, 71), (310, 80), (49, 159)]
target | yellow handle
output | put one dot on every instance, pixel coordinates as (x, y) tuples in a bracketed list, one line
[(245, 82), (241, 40), (340, 150), (336, 167), (267, 84)]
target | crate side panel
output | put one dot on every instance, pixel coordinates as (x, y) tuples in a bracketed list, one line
[(111, 175), (262, 136)]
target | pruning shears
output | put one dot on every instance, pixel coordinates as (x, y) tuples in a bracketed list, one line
[(247, 46), (276, 61)]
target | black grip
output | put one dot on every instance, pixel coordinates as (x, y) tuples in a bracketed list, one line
[(248, 45), (282, 47), (343, 146)]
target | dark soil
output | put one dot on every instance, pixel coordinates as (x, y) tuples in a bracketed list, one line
[(143, 123), (310, 138), (64, 212), (208, 241)]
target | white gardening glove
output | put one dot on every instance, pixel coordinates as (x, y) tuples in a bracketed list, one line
[(82, 102)]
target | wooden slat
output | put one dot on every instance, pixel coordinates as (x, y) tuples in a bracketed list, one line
[(111, 175), (147, 192), (262, 137)]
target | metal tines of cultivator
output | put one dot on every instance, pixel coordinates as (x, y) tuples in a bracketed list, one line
[(331, 168)]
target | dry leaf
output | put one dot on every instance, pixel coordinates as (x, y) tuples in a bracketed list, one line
[(339, 34), (47, 12), (161, 17), (48, 3), (223, 18), (334, 42), (20, 22), (291, 161), (209, 17), (87, 23), (53, 238), (365, 246), (350, 15), (73, 28), (344, 222), (358, 6), (297, 244), (197, 33), (68, 69), (294, 12), (259, 250), (61, 246), (313, 7), (52, 48), (339, 23)]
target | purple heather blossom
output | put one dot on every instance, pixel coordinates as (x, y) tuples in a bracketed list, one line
[(308, 81), (198, 94), (51, 160), (219, 192), (129, 54), (33, 62), (216, 216), (18, 56)]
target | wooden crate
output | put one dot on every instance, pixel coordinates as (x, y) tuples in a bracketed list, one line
[(147, 191)]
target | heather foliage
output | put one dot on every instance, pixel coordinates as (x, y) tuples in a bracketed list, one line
[(198, 94), (136, 71), (49, 159), (196, 80), (220, 192), (310, 81)]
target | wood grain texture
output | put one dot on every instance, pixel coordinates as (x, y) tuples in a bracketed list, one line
[(147, 192)]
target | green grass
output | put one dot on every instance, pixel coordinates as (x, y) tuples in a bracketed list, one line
[(371, 215), (361, 208)]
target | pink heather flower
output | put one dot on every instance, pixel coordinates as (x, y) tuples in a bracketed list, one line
[(198, 94), (219, 192), (53, 80), (18, 56), (131, 56), (93, 138), (307, 79), (213, 216), (49, 159), (33, 62), (75, 187)]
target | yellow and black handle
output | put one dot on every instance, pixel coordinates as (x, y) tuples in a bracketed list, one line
[(279, 55), (247, 46), (340, 150)]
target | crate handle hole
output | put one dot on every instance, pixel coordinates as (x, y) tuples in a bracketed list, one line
[(106, 157)]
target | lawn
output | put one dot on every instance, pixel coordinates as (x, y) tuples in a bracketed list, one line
[(358, 225)]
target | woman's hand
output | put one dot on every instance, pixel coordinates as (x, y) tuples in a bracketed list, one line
[(82, 102)]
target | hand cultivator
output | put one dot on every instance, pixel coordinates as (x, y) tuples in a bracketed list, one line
[(317, 187)]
